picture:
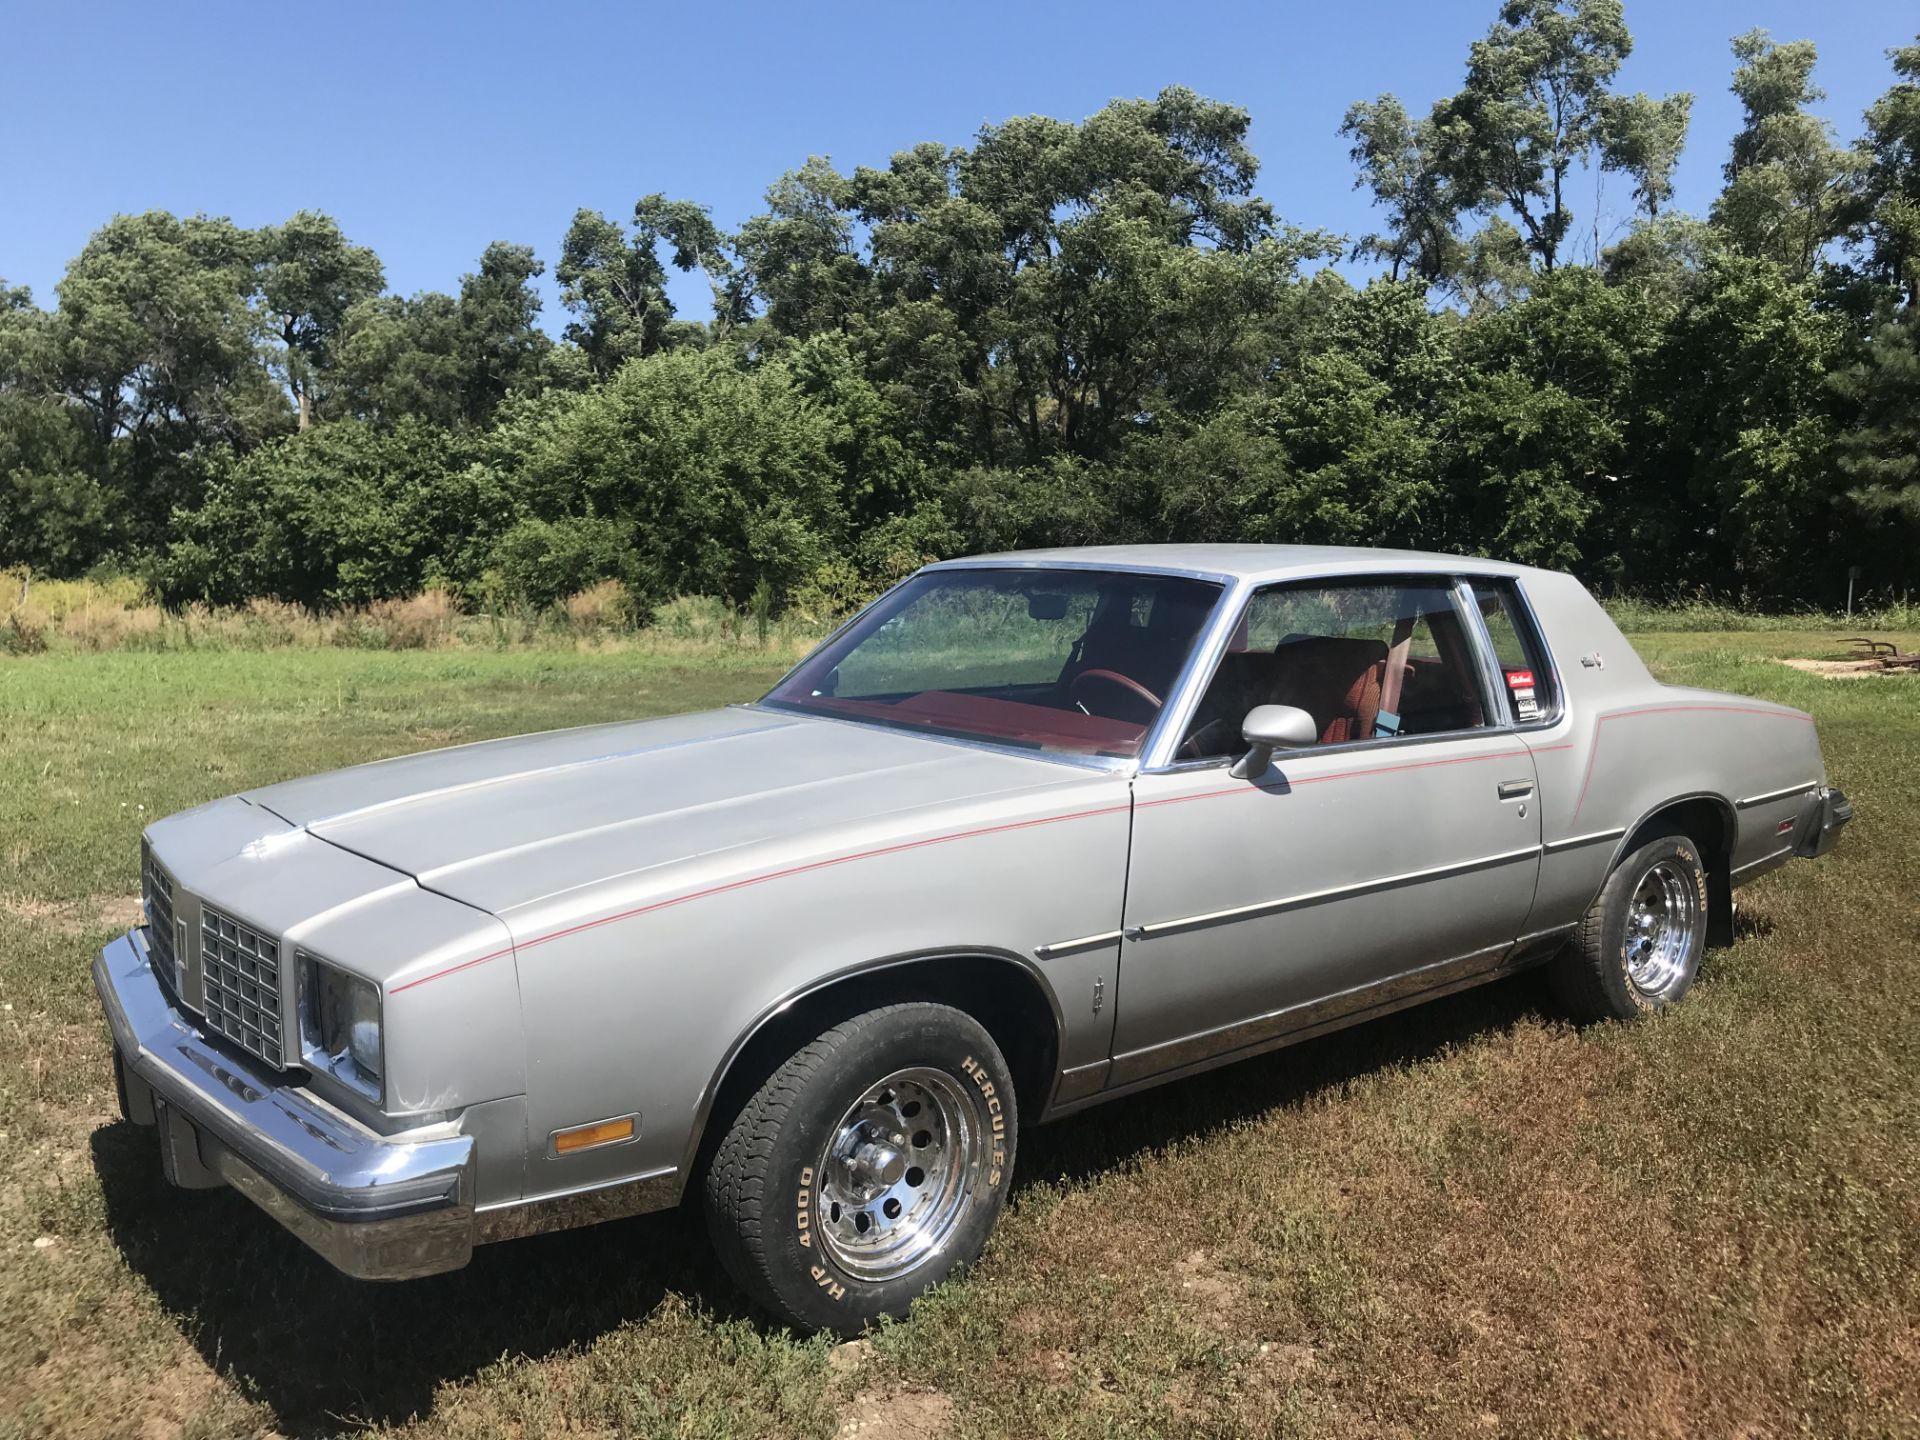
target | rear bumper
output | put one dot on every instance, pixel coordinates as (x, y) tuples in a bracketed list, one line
[(1826, 813), (377, 1207)]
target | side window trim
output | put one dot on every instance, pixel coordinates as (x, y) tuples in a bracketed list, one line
[(1236, 607)]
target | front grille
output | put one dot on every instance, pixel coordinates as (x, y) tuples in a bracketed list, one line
[(240, 973), (156, 896)]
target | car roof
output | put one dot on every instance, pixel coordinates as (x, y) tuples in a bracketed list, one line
[(1240, 562)]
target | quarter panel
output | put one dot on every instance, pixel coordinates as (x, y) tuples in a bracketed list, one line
[(1626, 746)]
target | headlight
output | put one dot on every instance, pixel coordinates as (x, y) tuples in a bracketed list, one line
[(340, 1021)]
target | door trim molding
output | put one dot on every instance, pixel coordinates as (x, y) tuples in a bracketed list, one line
[(1210, 918)]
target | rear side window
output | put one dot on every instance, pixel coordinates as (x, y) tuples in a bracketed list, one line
[(1524, 670)]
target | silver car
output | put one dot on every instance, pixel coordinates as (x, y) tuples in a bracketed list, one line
[(1030, 832)]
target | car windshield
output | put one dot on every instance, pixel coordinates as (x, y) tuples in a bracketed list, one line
[(1079, 661)]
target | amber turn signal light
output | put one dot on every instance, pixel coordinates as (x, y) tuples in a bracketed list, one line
[(587, 1137)]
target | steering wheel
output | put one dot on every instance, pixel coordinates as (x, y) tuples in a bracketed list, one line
[(1115, 678)]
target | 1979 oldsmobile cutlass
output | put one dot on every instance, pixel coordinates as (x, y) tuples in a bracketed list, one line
[(1030, 832)]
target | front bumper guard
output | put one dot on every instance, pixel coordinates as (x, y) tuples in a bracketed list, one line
[(375, 1206)]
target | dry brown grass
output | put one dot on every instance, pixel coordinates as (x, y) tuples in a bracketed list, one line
[(1470, 1219), (419, 622), (605, 606), (103, 616)]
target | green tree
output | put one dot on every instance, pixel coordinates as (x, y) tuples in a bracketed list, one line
[(617, 288), (1878, 451), (1789, 186), (157, 342), (55, 513), (799, 259), (155, 329), (1888, 228), (448, 360), (1537, 102), (1397, 162), (1043, 291), (310, 278), (1734, 434)]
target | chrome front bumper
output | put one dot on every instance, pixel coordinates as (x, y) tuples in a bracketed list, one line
[(377, 1207)]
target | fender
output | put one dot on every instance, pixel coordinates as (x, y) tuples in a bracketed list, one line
[(961, 954)]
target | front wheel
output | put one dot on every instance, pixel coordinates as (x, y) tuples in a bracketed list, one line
[(867, 1168), (1640, 944)]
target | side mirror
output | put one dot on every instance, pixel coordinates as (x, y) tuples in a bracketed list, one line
[(1268, 728)]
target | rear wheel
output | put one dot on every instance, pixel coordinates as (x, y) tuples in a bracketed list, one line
[(1639, 946), (867, 1168)]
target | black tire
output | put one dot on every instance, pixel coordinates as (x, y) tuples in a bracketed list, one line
[(1596, 977), (774, 1187)]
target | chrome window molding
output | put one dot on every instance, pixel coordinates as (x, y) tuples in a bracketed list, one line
[(1379, 745), (833, 635), (1195, 675), (1486, 661), (1014, 562)]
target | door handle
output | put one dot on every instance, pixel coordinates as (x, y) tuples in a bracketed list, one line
[(1514, 789)]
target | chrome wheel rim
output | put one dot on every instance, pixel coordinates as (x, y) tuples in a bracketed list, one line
[(1660, 929), (897, 1174)]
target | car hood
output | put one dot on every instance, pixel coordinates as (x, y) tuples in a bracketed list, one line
[(507, 823)]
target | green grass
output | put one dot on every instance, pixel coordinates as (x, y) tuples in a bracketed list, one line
[(1467, 1219)]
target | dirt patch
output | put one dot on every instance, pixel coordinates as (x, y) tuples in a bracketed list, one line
[(1204, 1281), (1840, 669), (899, 1415), (77, 917), (849, 1357)]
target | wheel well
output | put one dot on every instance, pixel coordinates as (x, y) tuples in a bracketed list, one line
[(1002, 994), (1710, 824)]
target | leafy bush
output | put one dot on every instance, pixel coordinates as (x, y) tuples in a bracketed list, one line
[(687, 471), (341, 515), (539, 563)]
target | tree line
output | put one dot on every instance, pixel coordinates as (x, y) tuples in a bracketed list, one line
[(1060, 333)]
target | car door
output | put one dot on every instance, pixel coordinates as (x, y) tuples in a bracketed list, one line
[(1396, 857)]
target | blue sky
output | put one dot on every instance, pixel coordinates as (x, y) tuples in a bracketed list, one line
[(429, 130)]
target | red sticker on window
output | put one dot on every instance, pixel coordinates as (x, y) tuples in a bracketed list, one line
[(1520, 679)]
